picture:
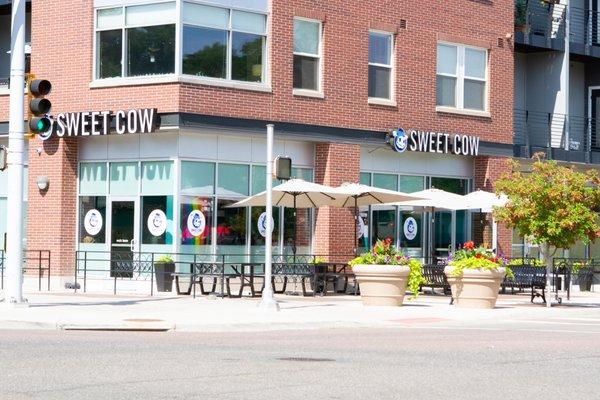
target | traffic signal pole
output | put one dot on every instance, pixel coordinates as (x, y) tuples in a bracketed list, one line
[(16, 148)]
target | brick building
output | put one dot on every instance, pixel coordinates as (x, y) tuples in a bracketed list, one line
[(335, 77)]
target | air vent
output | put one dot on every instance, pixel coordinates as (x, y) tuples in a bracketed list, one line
[(402, 24), (500, 42)]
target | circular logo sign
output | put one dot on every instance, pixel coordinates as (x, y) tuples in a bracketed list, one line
[(410, 228), (262, 224), (399, 140), (196, 223), (157, 222), (92, 222)]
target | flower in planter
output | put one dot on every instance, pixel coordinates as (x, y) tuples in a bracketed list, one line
[(384, 253), (471, 257)]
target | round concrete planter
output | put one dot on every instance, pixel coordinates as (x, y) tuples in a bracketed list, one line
[(475, 288), (382, 285)]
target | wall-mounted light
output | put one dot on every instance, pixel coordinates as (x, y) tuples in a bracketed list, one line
[(42, 182)]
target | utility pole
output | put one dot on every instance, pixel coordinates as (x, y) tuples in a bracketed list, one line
[(268, 301), (16, 146)]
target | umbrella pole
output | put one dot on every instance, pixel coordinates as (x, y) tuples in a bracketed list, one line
[(295, 230), (355, 225)]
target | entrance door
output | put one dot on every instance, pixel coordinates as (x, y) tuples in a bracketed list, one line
[(594, 110), (123, 237)]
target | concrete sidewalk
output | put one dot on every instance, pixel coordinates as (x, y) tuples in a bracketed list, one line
[(205, 314)]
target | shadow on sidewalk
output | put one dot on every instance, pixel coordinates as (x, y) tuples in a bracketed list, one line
[(100, 303)]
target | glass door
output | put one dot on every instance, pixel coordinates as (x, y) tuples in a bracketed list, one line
[(123, 236)]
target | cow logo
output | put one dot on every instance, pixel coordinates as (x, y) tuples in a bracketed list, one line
[(262, 224), (196, 223), (399, 140), (157, 222), (92, 222), (410, 228)]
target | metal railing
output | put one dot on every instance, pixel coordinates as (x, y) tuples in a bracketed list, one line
[(547, 130), (585, 26), (541, 19), (141, 266), (33, 260)]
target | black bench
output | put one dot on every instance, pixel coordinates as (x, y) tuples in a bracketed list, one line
[(435, 277), (527, 277)]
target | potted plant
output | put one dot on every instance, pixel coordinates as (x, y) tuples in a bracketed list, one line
[(520, 15), (475, 275), (164, 267), (384, 273), (585, 275)]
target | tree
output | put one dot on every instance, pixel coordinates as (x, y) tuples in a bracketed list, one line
[(553, 205)]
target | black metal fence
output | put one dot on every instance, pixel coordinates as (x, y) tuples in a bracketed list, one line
[(151, 267), (33, 260)]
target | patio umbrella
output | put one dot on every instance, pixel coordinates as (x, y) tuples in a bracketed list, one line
[(486, 201), (435, 199), (355, 195), (295, 193)]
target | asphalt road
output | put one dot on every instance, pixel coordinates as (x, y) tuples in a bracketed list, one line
[(401, 363)]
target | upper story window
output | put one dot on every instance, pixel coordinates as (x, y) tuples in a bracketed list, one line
[(215, 42), (461, 77), (135, 40), (222, 43), (380, 65), (307, 54)]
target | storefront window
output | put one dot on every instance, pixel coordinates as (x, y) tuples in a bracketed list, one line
[(257, 240), (92, 178), (197, 177), (362, 230), (196, 229), (233, 180), (296, 230), (385, 181), (411, 184), (157, 177), (305, 174), (231, 228), (443, 220), (157, 220), (92, 227), (411, 233), (384, 225), (259, 179), (124, 178), (365, 178)]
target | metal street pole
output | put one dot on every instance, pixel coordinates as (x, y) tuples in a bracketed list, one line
[(268, 301), (16, 145)]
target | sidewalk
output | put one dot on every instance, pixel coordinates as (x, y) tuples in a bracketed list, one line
[(205, 314)]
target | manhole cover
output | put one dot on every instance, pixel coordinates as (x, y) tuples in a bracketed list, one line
[(142, 320), (306, 359)]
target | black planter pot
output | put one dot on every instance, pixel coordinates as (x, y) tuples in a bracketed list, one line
[(164, 279), (585, 279)]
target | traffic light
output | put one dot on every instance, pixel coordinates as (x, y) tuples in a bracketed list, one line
[(3, 158), (39, 106)]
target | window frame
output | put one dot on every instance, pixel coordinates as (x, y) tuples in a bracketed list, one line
[(461, 77), (391, 66), (178, 75), (319, 57)]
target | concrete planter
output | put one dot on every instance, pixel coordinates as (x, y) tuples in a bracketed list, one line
[(382, 285), (476, 288)]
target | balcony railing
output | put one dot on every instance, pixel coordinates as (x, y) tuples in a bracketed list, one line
[(540, 22), (542, 131)]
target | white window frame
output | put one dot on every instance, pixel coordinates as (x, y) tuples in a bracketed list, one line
[(319, 57), (460, 77), (177, 76), (391, 66)]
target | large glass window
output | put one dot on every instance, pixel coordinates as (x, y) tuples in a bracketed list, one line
[(231, 228), (144, 34), (307, 54), (197, 177), (196, 221), (461, 77), (380, 65), (124, 178), (157, 177), (233, 180), (222, 43), (155, 229), (385, 181), (92, 178), (92, 228)]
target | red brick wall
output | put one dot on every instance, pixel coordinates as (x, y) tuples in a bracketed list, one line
[(487, 171), (335, 164)]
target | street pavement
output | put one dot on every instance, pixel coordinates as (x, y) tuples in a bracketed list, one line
[(99, 346), (345, 363)]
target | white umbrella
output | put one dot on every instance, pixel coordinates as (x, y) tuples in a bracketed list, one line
[(486, 201), (436, 199), (295, 193), (355, 195)]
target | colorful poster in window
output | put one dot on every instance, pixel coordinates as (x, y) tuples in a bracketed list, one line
[(195, 221)]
